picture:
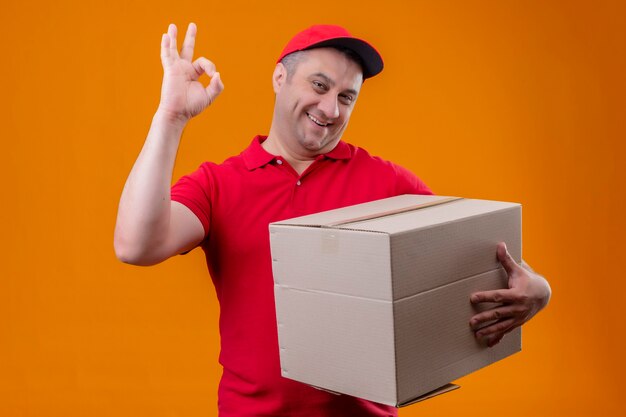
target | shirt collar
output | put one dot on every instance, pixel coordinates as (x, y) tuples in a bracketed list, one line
[(254, 156), (341, 151)]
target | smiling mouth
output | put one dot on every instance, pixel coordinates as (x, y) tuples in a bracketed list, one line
[(316, 121)]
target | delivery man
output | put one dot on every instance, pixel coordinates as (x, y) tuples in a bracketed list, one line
[(302, 166)]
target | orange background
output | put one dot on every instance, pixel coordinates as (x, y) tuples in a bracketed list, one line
[(509, 100)]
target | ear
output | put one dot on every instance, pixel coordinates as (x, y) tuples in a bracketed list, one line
[(279, 77)]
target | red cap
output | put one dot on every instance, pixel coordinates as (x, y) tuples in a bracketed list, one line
[(319, 36)]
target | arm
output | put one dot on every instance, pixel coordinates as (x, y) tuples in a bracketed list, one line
[(150, 227), (527, 294)]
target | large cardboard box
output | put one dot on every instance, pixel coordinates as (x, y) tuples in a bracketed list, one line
[(372, 300)]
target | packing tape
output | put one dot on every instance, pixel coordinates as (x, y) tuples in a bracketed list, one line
[(394, 211)]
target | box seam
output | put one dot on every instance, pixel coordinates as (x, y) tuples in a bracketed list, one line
[(426, 291), (313, 291)]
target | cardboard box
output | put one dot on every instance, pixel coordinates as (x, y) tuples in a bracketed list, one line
[(372, 300)]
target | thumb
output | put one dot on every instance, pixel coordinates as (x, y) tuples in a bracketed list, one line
[(506, 259), (215, 87)]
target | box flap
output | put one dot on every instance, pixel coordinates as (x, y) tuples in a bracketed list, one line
[(374, 209), (454, 241), (441, 390), (431, 394), (349, 262)]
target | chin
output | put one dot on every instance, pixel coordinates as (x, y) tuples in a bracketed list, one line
[(313, 145), (316, 145)]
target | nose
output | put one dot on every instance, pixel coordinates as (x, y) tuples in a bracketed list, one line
[(329, 106)]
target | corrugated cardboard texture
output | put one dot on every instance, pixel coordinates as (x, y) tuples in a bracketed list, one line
[(379, 308), (337, 342), (435, 324), (452, 247), (331, 259)]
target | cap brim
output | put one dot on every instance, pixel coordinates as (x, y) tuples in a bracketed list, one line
[(370, 58)]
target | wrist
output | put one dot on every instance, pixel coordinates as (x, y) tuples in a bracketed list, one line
[(174, 120)]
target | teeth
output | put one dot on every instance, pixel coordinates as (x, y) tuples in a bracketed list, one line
[(316, 121)]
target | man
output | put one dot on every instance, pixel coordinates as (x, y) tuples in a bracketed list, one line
[(301, 167)]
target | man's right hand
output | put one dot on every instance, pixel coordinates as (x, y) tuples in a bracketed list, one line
[(150, 227), (182, 95)]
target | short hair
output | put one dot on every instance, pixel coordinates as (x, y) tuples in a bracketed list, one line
[(291, 61)]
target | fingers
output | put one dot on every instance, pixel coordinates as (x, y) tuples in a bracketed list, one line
[(165, 47), (186, 73), (500, 327), (168, 46), (513, 270), (506, 259), (494, 339), (189, 43), (494, 333), (215, 87), (204, 66), (172, 32), (496, 314), (494, 296), (490, 326)]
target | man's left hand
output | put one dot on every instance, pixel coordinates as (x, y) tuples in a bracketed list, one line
[(527, 294)]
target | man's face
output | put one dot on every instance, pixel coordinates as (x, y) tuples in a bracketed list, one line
[(314, 103)]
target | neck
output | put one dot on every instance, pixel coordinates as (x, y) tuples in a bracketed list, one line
[(298, 159)]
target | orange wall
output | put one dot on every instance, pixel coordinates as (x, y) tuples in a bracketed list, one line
[(510, 100)]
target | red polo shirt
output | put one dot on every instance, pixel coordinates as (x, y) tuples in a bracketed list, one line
[(236, 201)]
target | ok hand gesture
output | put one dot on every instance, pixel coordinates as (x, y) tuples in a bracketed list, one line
[(182, 95)]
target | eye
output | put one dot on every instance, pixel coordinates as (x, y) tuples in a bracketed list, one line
[(319, 85), (346, 98)]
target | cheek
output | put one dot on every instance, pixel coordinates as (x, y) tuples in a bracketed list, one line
[(346, 115), (294, 106)]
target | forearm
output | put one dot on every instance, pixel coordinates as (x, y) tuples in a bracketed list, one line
[(143, 217)]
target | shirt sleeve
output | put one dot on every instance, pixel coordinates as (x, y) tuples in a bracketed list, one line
[(408, 183), (195, 191)]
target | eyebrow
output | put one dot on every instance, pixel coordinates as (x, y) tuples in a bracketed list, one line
[(332, 83)]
